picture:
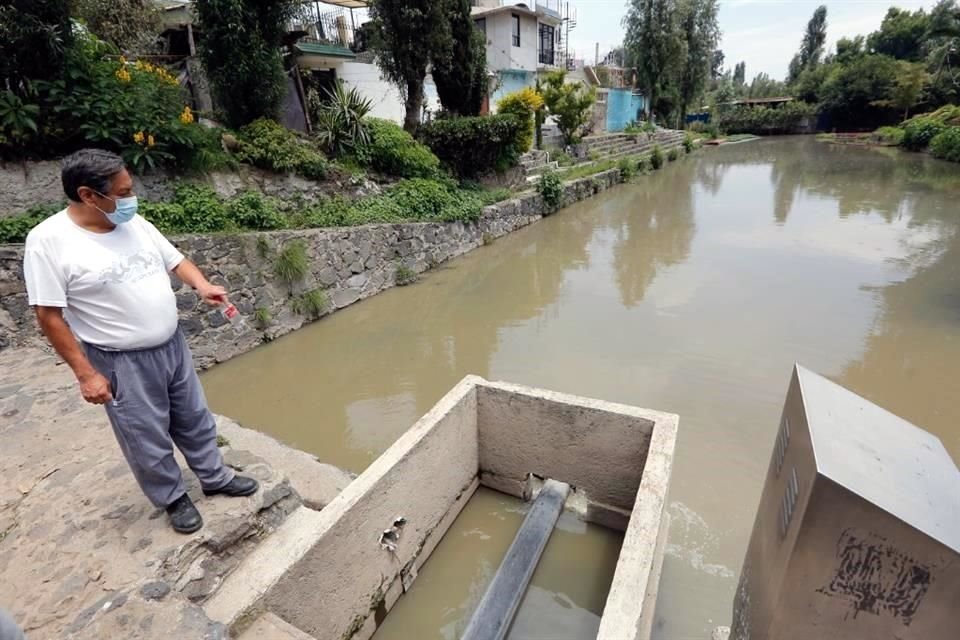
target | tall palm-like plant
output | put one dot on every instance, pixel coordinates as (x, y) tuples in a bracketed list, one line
[(339, 121)]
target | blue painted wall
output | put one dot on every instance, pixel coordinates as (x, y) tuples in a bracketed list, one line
[(510, 81), (623, 107)]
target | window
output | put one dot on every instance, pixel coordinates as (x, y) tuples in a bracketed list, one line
[(516, 29), (481, 24), (547, 40)]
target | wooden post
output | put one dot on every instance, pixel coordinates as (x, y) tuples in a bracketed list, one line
[(190, 42)]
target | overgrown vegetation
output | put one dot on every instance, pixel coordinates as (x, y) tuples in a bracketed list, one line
[(241, 52), (764, 120), (262, 317), (404, 276), (672, 155), (393, 151), (656, 157), (292, 265), (311, 304), (16, 228), (946, 145), (550, 188), (471, 146), (628, 168), (269, 145)]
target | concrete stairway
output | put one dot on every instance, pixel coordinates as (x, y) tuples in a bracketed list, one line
[(610, 146), (536, 162)]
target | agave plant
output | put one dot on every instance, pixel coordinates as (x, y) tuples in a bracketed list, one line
[(339, 124)]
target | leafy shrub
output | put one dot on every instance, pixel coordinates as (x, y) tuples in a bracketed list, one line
[(339, 121), (656, 157), (628, 168), (136, 109), (474, 145), (919, 131), (673, 154), (633, 128), (292, 263), (948, 114), (269, 145), (252, 210), (569, 103), (550, 187), (16, 228), (688, 142), (765, 120), (709, 129), (194, 209), (394, 152), (523, 104), (946, 144), (889, 135), (311, 304)]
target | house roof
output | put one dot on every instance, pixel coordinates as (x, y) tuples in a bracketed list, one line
[(483, 12), (326, 50), (348, 4)]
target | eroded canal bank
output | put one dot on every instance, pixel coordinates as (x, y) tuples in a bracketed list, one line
[(693, 291)]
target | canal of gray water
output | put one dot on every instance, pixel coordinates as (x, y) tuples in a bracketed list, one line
[(692, 290)]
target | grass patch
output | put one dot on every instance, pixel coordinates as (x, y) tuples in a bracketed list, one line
[(673, 154), (587, 170), (222, 441), (262, 317), (292, 263), (263, 247), (404, 276), (311, 304), (656, 157)]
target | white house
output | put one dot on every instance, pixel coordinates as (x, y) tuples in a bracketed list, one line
[(522, 40)]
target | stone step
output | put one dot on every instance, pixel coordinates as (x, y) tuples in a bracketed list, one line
[(547, 166), (272, 627)]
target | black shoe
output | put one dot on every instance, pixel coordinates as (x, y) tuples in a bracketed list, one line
[(237, 488), (184, 517)]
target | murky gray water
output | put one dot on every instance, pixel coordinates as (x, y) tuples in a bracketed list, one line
[(693, 290)]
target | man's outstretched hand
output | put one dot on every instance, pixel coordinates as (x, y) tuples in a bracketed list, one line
[(212, 294)]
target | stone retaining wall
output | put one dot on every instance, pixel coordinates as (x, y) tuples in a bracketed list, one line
[(346, 264)]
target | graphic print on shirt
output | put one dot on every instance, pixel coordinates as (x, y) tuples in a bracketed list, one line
[(132, 268)]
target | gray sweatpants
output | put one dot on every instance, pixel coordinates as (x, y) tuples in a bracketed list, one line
[(158, 402)]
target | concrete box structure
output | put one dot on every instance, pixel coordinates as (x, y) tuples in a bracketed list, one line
[(333, 579), (857, 536)]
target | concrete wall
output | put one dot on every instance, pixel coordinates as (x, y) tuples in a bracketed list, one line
[(347, 580), (622, 108), (348, 264), (510, 81), (386, 98), (501, 54), (343, 583)]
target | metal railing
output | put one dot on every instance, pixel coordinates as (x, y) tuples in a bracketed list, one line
[(328, 26)]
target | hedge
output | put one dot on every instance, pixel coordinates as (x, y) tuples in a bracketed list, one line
[(475, 145)]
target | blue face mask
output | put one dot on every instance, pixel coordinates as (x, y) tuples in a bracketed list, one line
[(125, 210)]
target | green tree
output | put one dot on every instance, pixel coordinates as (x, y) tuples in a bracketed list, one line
[(716, 67), (698, 23), (848, 49), (850, 94), (809, 85), (34, 38), (740, 74), (655, 46), (902, 34), (763, 86), (814, 39), (460, 73), (943, 42), (132, 25), (911, 79), (406, 35), (569, 103), (241, 52)]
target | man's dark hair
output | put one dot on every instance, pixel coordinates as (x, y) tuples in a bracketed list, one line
[(93, 168)]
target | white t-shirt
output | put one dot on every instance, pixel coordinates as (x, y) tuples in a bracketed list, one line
[(113, 286)]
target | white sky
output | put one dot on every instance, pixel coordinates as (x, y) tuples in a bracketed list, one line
[(763, 33)]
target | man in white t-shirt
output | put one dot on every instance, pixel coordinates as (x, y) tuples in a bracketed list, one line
[(97, 273)]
